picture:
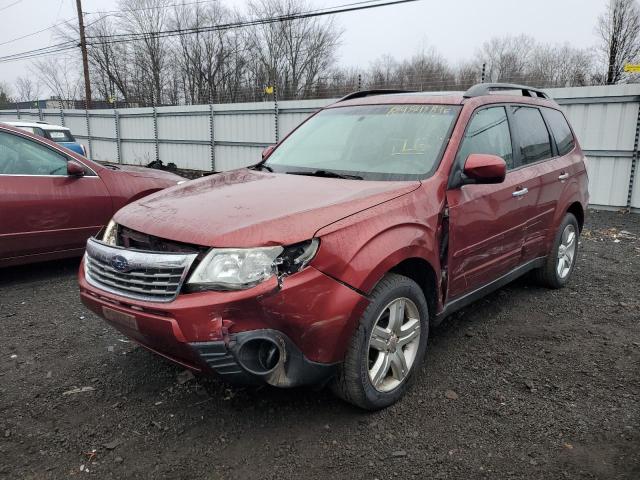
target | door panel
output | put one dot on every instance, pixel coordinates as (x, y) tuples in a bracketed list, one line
[(486, 222), (486, 231), (45, 214), (536, 150), (543, 204), (41, 208)]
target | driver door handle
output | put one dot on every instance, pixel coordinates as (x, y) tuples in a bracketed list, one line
[(563, 176), (520, 192)]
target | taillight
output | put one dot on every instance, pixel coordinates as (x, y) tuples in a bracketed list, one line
[(84, 150)]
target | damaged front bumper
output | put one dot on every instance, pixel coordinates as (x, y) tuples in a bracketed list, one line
[(283, 335), (262, 356)]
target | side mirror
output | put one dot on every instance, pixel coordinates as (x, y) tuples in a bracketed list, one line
[(267, 151), (74, 169), (484, 168)]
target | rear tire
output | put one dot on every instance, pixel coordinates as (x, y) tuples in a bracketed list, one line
[(388, 346), (560, 262)]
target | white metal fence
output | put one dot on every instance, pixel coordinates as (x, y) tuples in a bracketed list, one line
[(226, 136)]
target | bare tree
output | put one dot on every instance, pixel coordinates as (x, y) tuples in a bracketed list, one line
[(206, 59), (559, 66), (383, 73), (294, 53), (619, 31), (110, 69), (27, 88), (60, 75), (5, 95), (468, 74), (506, 58), (149, 53), (426, 70)]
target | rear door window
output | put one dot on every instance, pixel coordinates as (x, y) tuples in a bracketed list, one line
[(532, 137), (60, 135), (560, 129), (488, 132)]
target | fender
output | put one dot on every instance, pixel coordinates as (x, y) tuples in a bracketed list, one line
[(570, 195), (382, 236)]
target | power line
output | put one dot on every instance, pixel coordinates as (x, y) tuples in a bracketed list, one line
[(36, 33), (63, 22), (154, 7), (10, 5), (127, 37), (60, 47), (105, 14), (39, 51), (117, 38)]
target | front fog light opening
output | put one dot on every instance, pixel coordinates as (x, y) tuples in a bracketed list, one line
[(259, 355)]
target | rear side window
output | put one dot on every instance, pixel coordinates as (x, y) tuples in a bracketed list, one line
[(61, 136), (560, 129), (533, 136), (488, 132)]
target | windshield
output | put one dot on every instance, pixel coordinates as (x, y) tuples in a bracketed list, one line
[(60, 136), (375, 142)]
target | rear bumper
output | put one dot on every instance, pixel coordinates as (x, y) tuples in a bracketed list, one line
[(312, 317)]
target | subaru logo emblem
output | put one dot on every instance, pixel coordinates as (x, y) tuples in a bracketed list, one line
[(120, 263)]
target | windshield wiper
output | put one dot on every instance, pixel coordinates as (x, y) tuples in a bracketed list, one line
[(261, 166), (110, 167), (327, 173)]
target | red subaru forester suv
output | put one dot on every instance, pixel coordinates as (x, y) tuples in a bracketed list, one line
[(329, 261)]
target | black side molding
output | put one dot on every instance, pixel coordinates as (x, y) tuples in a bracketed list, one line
[(461, 302)]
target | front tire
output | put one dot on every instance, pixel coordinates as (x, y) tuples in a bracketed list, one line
[(560, 262), (388, 346)]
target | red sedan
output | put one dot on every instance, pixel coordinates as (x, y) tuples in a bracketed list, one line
[(52, 200)]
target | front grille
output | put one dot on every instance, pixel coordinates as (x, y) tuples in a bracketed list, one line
[(149, 276)]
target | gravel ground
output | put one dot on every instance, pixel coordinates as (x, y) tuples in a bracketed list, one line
[(527, 383)]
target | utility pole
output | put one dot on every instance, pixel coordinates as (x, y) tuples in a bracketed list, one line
[(85, 58)]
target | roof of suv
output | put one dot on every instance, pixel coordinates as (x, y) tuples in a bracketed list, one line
[(43, 126)]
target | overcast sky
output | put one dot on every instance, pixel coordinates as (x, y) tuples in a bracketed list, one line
[(454, 27)]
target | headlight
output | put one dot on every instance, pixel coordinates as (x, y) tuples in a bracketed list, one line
[(110, 233), (241, 268), (235, 269)]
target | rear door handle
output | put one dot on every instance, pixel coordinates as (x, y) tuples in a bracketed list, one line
[(520, 192), (563, 176)]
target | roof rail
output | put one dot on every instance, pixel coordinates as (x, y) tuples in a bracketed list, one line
[(480, 89), (369, 93)]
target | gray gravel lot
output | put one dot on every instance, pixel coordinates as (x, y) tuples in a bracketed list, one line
[(527, 383)]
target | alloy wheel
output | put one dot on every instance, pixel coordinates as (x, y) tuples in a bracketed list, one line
[(566, 251), (393, 344)]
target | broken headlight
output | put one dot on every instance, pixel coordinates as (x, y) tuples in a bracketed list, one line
[(242, 268), (295, 257)]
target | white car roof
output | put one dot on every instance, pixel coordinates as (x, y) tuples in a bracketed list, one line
[(43, 126)]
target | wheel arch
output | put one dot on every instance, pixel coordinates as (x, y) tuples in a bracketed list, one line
[(422, 272), (576, 209)]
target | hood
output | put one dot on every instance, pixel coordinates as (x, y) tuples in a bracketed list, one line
[(146, 172), (245, 208)]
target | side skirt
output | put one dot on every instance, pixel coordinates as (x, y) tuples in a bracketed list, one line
[(463, 301)]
